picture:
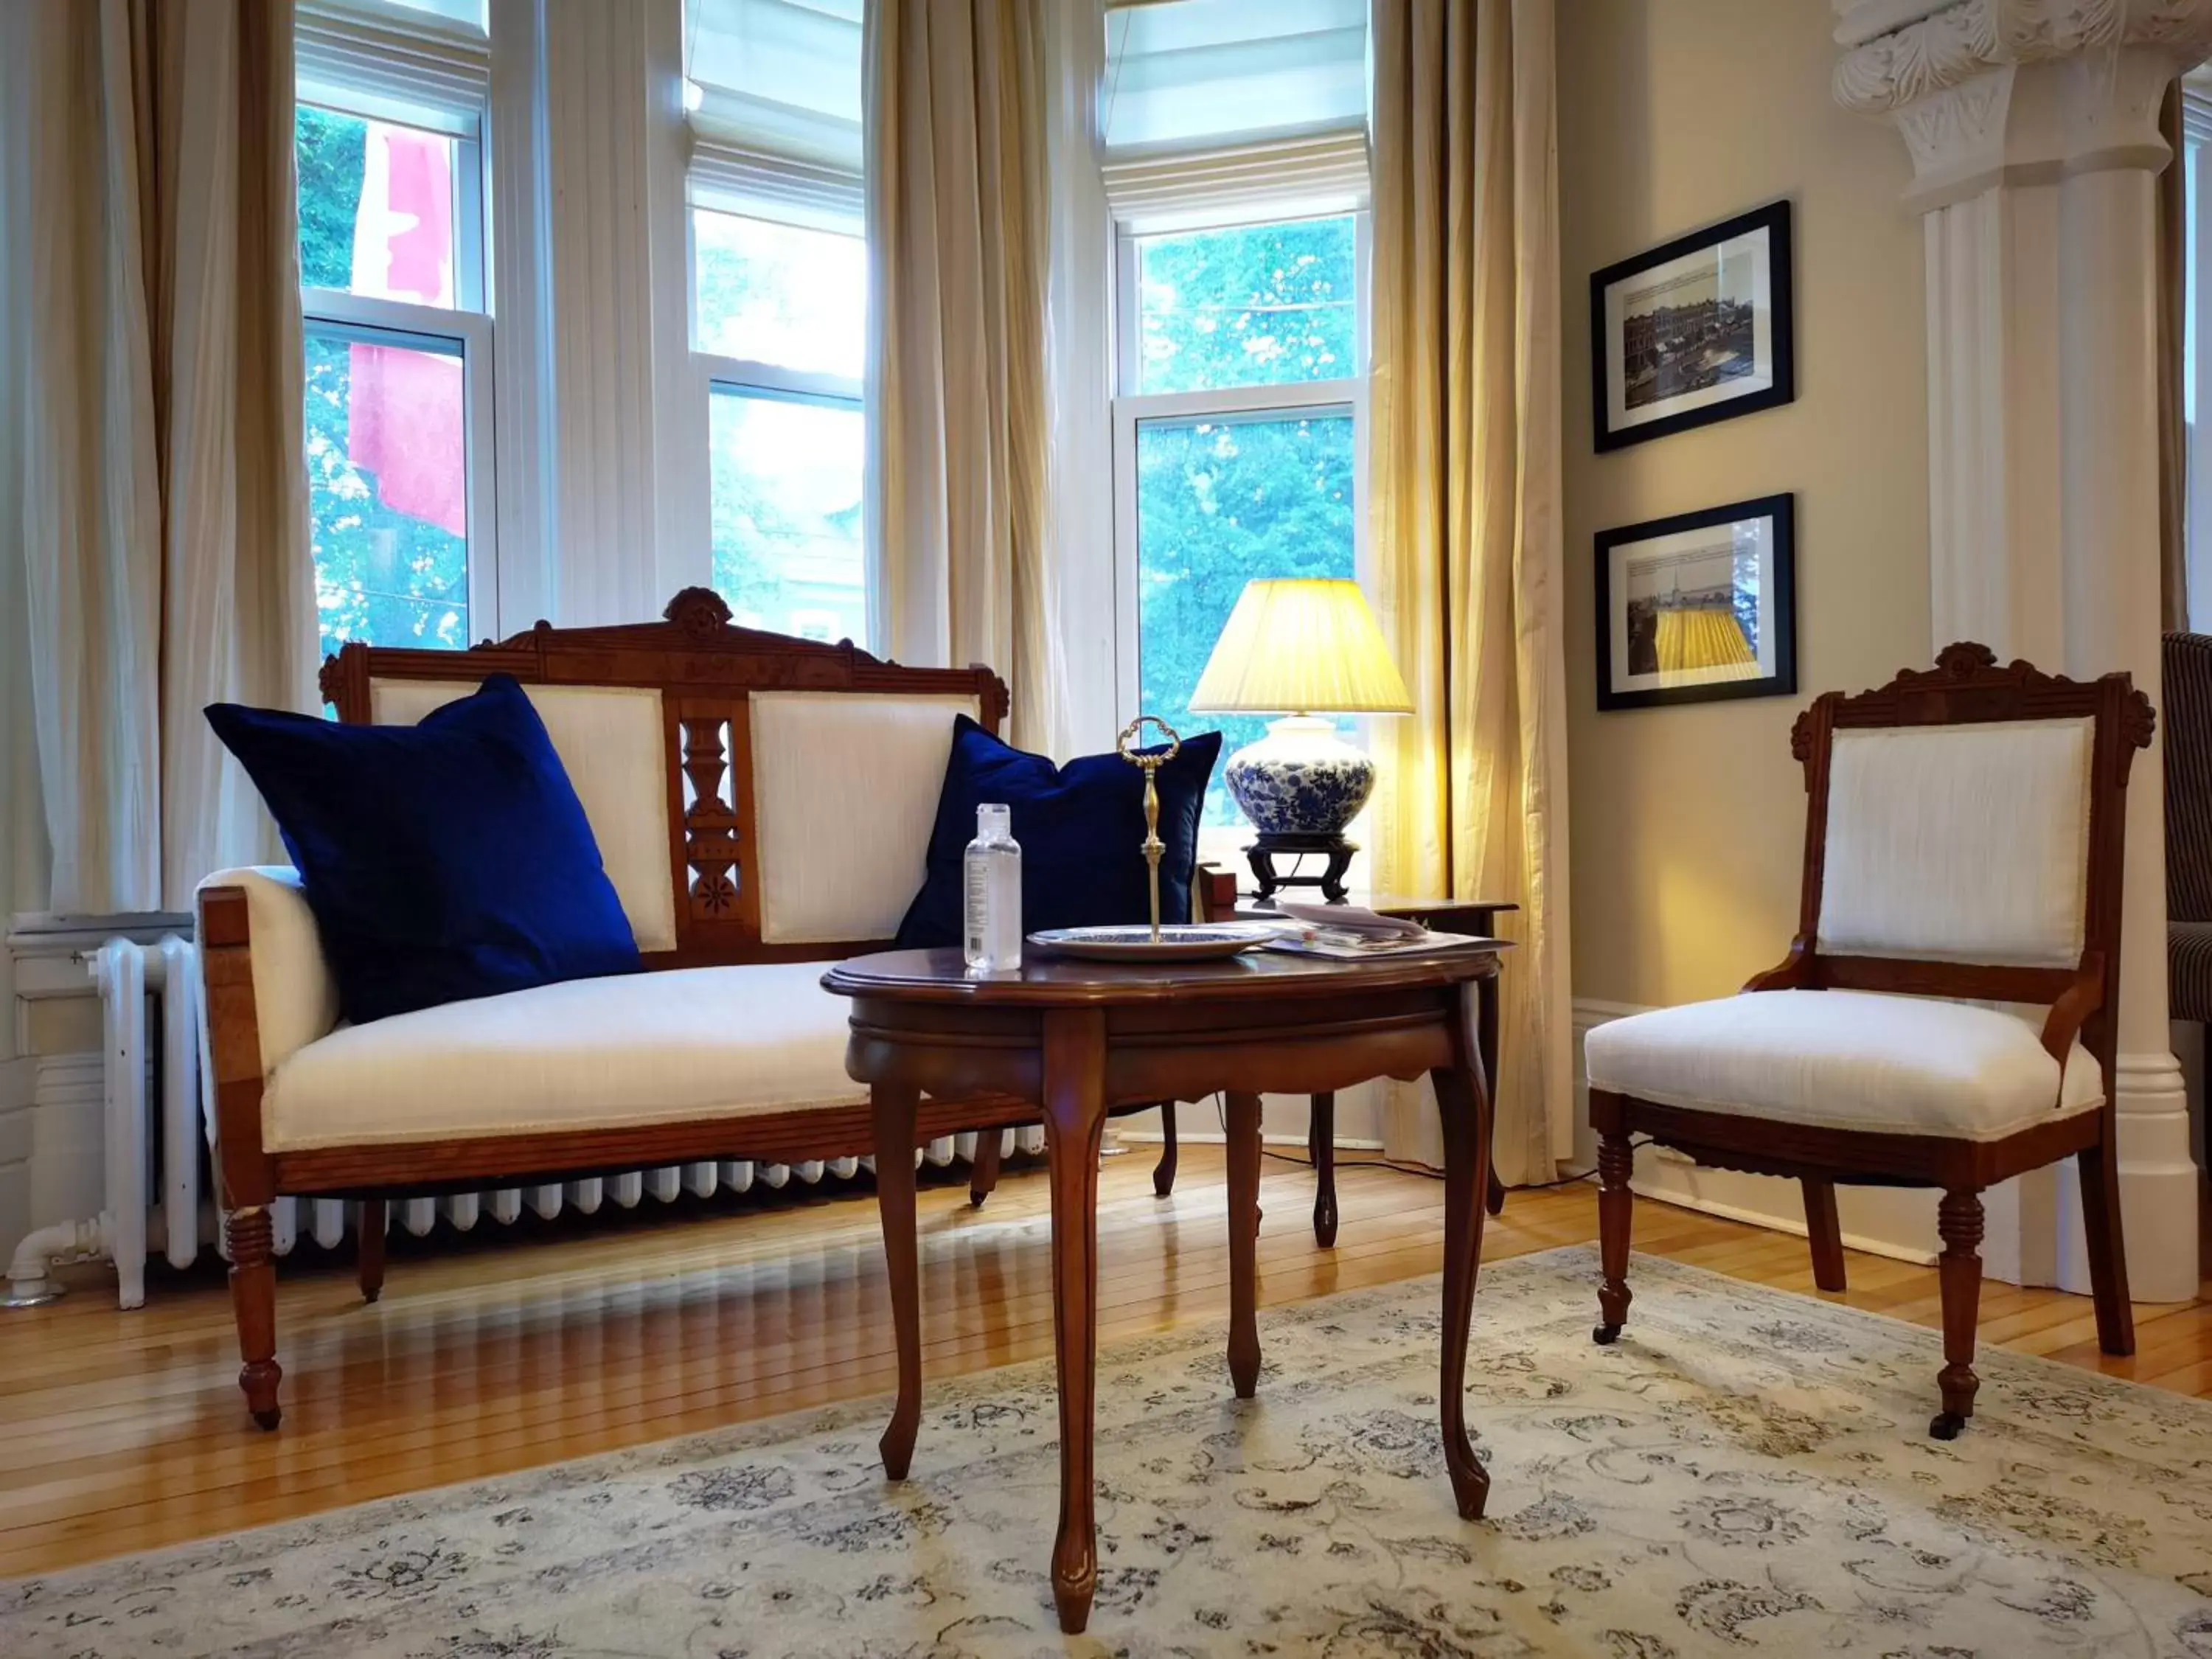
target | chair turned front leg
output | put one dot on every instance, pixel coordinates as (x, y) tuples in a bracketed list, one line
[(1959, 1223), (1616, 1162), (253, 1303), (1164, 1172)]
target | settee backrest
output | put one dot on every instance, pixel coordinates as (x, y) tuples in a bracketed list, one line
[(755, 797)]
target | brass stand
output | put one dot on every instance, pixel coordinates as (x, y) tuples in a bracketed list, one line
[(1124, 745)]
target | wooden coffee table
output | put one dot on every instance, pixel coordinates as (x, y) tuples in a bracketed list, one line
[(1077, 1038)]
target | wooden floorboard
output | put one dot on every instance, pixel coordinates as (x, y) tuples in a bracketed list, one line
[(521, 1345)]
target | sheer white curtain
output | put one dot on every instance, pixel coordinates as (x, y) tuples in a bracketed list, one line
[(958, 426), (150, 420), (1465, 469)]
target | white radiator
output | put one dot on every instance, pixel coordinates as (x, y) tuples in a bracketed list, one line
[(157, 1130)]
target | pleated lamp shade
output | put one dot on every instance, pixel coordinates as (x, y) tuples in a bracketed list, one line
[(1301, 646)]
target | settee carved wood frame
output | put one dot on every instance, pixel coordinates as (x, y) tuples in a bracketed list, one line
[(1966, 685), (705, 669)]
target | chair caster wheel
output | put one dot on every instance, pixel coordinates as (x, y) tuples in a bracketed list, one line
[(975, 1200), (269, 1418), (1945, 1425), (1604, 1335)]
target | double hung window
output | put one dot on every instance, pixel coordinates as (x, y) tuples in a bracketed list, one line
[(1240, 351), (779, 307), (391, 170)]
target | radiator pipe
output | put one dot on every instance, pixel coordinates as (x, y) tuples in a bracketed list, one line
[(28, 1285)]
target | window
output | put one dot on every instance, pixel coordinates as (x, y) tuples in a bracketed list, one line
[(780, 315), (780, 306), (1236, 442), (398, 359)]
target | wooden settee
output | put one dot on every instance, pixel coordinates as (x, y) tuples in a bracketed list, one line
[(761, 805)]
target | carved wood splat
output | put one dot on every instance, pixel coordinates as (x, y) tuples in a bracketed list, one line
[(711, 852)]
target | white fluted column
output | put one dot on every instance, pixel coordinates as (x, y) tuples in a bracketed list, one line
[(2033, 130)]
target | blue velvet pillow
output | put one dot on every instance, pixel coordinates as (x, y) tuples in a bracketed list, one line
[(1081, 828), (443, 861)]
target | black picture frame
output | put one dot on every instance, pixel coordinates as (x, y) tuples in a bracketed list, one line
[(1618, 645), (1611, 428)]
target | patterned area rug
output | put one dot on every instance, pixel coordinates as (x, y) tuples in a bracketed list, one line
[(1747, 1471)]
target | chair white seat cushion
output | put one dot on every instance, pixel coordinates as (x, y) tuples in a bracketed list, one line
[(1846, 1059), (632, 1050)]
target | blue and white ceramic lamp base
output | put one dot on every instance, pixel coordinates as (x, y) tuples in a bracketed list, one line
[(1302, 779)]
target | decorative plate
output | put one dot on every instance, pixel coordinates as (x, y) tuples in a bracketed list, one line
[(1182, 942)]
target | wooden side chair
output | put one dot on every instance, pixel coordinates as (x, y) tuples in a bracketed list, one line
[(1964, 837)]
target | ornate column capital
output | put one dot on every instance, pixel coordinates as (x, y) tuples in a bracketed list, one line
[(1898, 51), (2021, 91)]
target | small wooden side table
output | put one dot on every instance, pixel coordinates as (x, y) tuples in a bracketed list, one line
[(1079, 1038), (1476, 916)]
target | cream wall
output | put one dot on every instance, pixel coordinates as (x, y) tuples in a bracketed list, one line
[(1687, 822)]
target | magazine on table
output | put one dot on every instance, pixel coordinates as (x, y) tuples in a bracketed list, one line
[(1349, 932)]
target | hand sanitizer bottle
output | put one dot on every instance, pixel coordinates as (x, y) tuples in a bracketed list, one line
[(994, 893)]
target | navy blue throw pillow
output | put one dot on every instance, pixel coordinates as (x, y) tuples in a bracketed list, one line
[(1081, 828), (443, 861)]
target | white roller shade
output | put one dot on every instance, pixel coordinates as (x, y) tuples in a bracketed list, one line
[(779, 89), (1199, 75), (1323, 174), (398, 59)]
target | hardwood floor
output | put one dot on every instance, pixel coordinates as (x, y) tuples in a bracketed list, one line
[(511, 1347)]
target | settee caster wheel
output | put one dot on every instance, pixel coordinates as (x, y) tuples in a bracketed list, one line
[(1945, 1425), (269, 1418), (1604, 1335)]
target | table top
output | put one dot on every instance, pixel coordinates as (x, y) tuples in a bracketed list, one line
[(942, 975)]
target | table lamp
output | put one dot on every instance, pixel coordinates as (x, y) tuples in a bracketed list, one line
[(1304, 649)]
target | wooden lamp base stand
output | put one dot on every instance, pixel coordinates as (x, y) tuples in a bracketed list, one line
[(1268, 845)]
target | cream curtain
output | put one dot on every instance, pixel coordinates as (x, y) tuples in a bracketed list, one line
[(152, 422), (1464, 488), (959, 426)]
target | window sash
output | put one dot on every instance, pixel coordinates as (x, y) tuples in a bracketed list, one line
[(470, 277), (738, 377), (355, 318)]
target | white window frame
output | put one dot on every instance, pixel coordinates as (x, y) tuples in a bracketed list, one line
[(1333, 398), (364, 319), (713, 372)]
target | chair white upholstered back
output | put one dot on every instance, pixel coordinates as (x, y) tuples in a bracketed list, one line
[(611, 742), (845, 788), (1959, 843)]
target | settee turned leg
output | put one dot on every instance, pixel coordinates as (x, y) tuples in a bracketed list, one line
[(983, 1174), (368, 1248), (253, 1302)]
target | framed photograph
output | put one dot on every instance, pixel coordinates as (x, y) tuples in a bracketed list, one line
[(1697, 607), (1695, 332)]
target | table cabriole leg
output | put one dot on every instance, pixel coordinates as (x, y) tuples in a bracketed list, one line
[(1463, 1104), (1074, 1119), (1243, 1242), (1321, 1148), (893, 1106), (1485, 1002)]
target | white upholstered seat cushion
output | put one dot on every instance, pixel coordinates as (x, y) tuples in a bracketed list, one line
[(639, 1048), (1846, 1059)]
